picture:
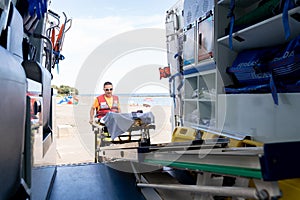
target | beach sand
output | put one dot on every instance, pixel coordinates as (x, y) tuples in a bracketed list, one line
[(74, 135)]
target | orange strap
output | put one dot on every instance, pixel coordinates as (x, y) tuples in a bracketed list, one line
[(53, 37), (59, 38)]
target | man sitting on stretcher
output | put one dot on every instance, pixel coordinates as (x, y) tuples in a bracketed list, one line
[(105, 103)]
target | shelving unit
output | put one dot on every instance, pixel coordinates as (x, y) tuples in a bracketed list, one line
[(253, 115), (199, 103), (200, 98)]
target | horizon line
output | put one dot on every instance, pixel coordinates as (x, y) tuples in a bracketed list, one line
[(134, 94)]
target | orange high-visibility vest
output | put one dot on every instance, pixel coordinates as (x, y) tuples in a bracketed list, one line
[(104, 108)]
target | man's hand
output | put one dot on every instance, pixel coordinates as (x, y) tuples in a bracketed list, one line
[(91, 121)]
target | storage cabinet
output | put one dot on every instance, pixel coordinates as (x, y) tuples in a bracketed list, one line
[(199, 102), (269, 32), (253, 115), (205, 104)]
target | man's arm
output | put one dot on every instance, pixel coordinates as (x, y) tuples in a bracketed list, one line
[(119, 108), (92, 111)]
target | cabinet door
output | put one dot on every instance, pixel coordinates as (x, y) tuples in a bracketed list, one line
[(205, 33), (189, 46)]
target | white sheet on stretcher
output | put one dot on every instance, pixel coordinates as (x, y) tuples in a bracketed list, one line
[(118, 123)]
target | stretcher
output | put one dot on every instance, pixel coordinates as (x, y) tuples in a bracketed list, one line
[(120, 128), (215, 161)]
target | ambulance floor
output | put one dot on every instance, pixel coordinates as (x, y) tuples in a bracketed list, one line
[(93, 181)]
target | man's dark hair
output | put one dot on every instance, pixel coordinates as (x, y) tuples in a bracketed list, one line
[(107, 83)]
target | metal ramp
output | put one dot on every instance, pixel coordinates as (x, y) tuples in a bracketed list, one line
[(94, 181)]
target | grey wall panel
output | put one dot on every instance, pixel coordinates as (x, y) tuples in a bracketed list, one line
[(12, 122)]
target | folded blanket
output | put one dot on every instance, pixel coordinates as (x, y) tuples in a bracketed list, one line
[(119, 123)]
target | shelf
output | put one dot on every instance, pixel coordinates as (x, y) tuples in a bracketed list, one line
[(191, 100), (206, 100), (200, 100), (196, 126), (204, 67), (224, 133), (264, 33), (238, 3)]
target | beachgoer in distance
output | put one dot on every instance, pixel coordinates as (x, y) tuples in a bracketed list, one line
[(105, 103)]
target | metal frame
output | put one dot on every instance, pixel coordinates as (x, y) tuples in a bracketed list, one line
[(243, 163)]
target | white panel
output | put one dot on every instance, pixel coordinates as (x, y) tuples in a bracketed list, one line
[(256, 115)]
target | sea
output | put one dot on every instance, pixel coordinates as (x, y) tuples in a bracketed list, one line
[(140, 99), (144, 99)]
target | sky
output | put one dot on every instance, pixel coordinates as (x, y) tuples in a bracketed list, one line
[(96, 21)]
